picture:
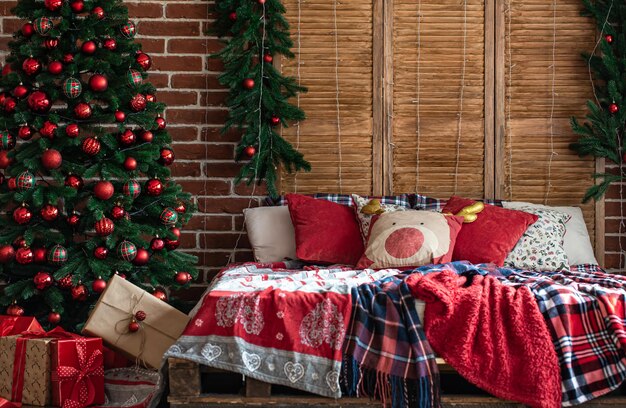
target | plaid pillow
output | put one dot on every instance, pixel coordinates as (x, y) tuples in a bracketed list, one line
[(403, 200), (434, 204)]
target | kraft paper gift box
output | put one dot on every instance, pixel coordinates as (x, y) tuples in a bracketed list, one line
[(117, 308)]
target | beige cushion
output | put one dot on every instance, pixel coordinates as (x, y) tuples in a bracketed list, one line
[(271, 233)]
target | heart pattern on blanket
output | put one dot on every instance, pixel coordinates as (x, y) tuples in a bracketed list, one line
[(251, 361), (294, 371), (211, 351), (332, 379)]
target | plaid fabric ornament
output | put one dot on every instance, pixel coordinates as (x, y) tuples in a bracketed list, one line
[(127, 251), (132, 188), (57, 255), (134, 77), (128, 30), (72, 88), (169, 216), (7, 140), (42, 25), (25, 181)]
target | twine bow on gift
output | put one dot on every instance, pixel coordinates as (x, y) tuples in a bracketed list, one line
[(83, 391), (123, 326)]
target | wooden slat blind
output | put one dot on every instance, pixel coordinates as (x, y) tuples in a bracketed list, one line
[(527, 27), (337, 167), (431, 171)]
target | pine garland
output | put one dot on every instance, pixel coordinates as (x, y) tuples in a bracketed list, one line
[(258, 32), (602, 134)]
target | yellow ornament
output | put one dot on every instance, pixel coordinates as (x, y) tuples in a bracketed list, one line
[(470, 212), (372, 208)]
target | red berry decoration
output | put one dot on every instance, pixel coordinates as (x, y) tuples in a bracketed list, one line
[(20, 91), (99, 285), (133, 327), (181, 208), (48, 129), (54, 318), (154, 187), (24, 255), (159, 294), (73, 219), (98, 83), (31, 66), (39, 102), (77, 6), (42, 280), (6, 253), (22, 215), (157, 244), (138, 103), (144, 61), (25, 132), (120, 116), (117, 212), (232, 16), (53, 5), (68, 58), (104, 227), (110, 44), (613, 108), (250, 151), (74, 182), (28, 30), (55, 67), (51, 159), (608, 38), (57, 255), (146, 136), (91, 146), (65, 282), (130, 164), (268, 58), (49, 212), (72, 130), (51, 43), (161, 123), (142, 258), (140, 316), (100, 252), (11, 183), (248, 83), (88, 47), (103, 190), (82, 111), (275, 121), (15, 310), (98, 12), (166, 157), (126, 138), (80, 293), (40, 255), (150, 98), (183, 278)]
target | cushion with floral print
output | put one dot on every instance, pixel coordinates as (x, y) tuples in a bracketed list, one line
[(541, 246), (368, 207)]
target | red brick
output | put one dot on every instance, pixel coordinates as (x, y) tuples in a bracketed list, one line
[(190, 151), (183, 133), (177, 10), (213, 98), (206, 187), (144, 10), (186, 169), (153, 45), (176, 63), (214, 134), (169, 28), (178, 98), (223, 240), (197, 81), (187, 46), (230, 169), (225, 205)]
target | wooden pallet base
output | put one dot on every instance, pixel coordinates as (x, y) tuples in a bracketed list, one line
[(195, 386)]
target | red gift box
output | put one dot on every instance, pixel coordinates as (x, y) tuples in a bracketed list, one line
[(12, 325), (77, 372), (113, 359)]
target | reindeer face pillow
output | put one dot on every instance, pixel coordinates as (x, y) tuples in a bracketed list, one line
[(410, 239)]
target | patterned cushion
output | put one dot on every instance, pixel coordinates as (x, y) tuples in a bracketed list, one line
[(421, 202), (346, 199), (365, 220)]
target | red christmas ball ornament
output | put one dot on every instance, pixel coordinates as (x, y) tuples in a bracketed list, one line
[(248, 83), (160, 294), (25, 132), (140, 316), (53, 5), (68, 58), (40, 255), (175, 231), (72, 130), (250, 151), (183, 278), (154, 187), (74, 181), (161, 123), (150, 98), (6, 70), (608, 38), (166, 156), (120, 116), (157, 244), (42, 280), (613, 108), (51, 43), (91, 146), (142, 258), (7, 140), (55, 67), (80, 293), (126, 138), (20, 91), (261, 2), (12, 183), (15, 310), (49, 212), (103, 190), (19, 242), (9, 105), (180, 208), (100, 252), (98, 12), (51, 159), (232, 16), (117, 212), (28, 30), (171, 244), (275, 121), (88, 47), (73, 219), (133, 327), (110, 44), (48, 129), (22, 215), (138, 103), (31, 66), (24, 255), (6, 253), (82, 111), (144, 61), (65, 282), (39, 102), (98, 83), (54, 318), (146, 136), (268, 58), (77, 6), (104, 227), (99, 285), (130, 164)]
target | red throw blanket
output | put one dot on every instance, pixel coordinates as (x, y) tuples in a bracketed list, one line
[(494, 335)]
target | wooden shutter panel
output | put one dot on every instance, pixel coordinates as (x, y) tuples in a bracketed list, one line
[(524, 118), (440, 70), (318, 139)]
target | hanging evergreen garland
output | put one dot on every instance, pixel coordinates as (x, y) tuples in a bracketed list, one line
[(259, 93)]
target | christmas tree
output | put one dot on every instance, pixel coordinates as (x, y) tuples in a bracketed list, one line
[(601, 135), (259, 94), (86, 191)]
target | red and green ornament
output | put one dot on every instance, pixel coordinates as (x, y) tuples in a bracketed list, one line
[(57, 255), (128, 30), (132, 188), (72, 88), (42, 25), (169, 216), (134, 77), (7, 140), (25, 181), (127, 251)]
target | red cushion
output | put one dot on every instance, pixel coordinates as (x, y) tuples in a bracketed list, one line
[(326, 232), (492, 236)]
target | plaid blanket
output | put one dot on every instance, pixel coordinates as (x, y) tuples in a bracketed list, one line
[(387, 355)]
